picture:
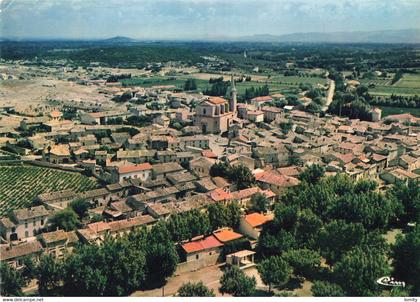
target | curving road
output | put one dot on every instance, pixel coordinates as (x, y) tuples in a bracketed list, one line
[(330, 95)]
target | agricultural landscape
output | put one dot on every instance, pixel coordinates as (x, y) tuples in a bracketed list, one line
[(199, 148), (20, 184)]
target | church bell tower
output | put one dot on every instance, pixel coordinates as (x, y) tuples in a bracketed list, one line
[(233, 98)]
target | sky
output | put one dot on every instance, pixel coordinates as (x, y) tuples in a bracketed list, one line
[(199, 19)]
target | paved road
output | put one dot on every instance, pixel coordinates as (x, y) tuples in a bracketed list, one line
[(330, 95)]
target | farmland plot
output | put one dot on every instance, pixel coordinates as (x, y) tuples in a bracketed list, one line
[(20, 184)]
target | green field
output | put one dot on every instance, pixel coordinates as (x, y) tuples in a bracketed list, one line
[(20, 184), (398, 110), (276, 84), (409, 85)]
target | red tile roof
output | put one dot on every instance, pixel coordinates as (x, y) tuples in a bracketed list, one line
[(268, 193), (262, 99), (226, 235), (134, 168), (257, 219), (245, 193), (208, 154), (220, 195), (378, 157), (276, 179), (99, 226), (217, 100), (200, 245)]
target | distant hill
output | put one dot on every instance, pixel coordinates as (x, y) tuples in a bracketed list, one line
[(383, 36), (118, 39)]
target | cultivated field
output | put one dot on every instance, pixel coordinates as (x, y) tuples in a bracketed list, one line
[(276, 84), (20, 184), (409, 85), (398, 110)]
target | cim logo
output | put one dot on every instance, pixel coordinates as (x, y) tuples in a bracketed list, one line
[(390, 281)]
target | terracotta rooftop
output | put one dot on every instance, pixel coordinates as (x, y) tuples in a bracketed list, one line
[(99, 226), (202, 244), (245, 193), (134, 168), (20, 250), (266, 98), (55, 113), (216, 100), (208, 154), (220, 195), (276, 179), (257, 219), (226, 235)]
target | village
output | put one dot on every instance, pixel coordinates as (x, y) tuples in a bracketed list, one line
[(153, 162)]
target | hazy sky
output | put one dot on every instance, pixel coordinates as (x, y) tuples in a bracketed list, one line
[(163, 19)]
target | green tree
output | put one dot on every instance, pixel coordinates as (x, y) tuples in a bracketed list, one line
[(233, 215), (327, 289), (224, 215), (116, 268), (161, 256), (29, 269), (305, 262), (338, 237), (84, 272), (11, 281), (235, 282), (308, 226), (406, 257), (285, 216), (372, 209), (80, 207), (358, 271), (312, 174), (219, 169), (178, 228), (259, 202), (195, 290), (190, 84), (65, 219), (274, 271), (49, 273), (241, 176), (273, 240), (409, 195)]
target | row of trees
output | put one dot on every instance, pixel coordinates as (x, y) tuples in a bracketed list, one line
[(397, 101), (218, 88), (252, 92), (190, 84)]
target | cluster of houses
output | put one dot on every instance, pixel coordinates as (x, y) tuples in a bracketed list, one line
[(156, 171)]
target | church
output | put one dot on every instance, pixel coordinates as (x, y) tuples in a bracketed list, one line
[(216, 114)]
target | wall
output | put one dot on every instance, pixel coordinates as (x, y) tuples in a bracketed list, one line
[(185, 267)]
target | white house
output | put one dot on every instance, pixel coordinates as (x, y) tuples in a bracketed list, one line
[(24, 223), (251, 224), (135, 171)]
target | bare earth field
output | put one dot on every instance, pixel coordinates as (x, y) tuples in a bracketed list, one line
[(19, 92)]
